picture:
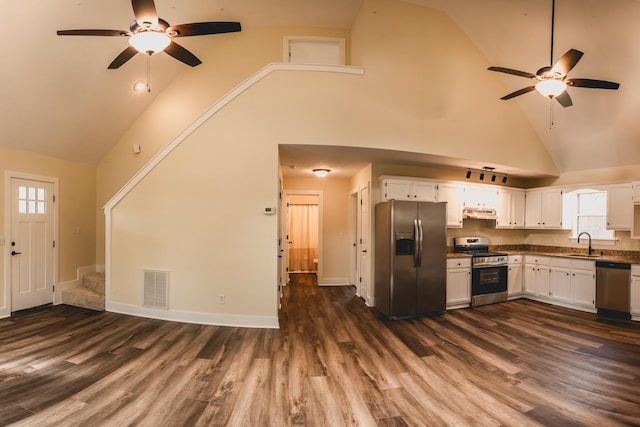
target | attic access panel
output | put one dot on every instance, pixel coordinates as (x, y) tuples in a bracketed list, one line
[(314, 50)]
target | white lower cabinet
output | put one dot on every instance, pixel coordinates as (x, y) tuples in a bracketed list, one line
[(537, 276), (514, 276), (572, 282), (635, 292), (458, 282)]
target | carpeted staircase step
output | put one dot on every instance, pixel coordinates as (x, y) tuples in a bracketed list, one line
[(94, 282), (87, 294)]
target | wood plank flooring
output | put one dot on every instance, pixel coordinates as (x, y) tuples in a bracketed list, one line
[(334, 362)]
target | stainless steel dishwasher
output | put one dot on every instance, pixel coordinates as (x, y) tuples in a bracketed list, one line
[(613, 288)]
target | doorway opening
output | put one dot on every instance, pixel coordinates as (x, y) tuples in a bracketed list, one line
[(304, 212)]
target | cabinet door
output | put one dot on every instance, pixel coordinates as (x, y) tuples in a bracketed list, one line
[(453, 195), (533, 210), (397, 189), (503, 210), (458, 286), (517, 209), (552, 208), (514, 280), (635, 295), (619, 207), (583, 287), (424, 191), (530, 278), (543, 280), (560, 283)]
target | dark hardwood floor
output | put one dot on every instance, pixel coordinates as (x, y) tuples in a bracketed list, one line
[(333, 362)]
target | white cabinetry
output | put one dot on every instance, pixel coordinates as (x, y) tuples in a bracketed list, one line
[(407, 189), (635, 292), (478, 196), (583, 283), (453, 195), (560, 279), (514, 276), (537, 276), (619, 206), (543, 208), (573, 281), (458, 282), (510, 208)]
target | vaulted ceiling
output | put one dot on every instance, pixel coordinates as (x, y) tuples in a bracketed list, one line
[(58, 98)]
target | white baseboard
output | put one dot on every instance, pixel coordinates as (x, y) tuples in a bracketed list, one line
[(333, 281), (264, 322)]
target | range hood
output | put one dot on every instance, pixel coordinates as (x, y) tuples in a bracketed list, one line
[(479, 213)]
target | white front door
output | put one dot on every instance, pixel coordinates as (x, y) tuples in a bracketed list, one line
[(364, 243), (31, 243)]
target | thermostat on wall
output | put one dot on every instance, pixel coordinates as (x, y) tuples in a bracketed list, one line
[(269, 210)]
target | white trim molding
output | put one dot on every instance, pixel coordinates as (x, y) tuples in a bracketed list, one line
[(264, 322)]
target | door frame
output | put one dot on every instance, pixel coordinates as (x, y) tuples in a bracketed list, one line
[(5, 309), (320, 221)]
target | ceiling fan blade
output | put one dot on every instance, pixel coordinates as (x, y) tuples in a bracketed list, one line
[(566, 62), (124, 56), (203, 28), (596, 84), (564, 99), (91, 33), (511, 71), (182, 54), (519, 92), (145, 11)]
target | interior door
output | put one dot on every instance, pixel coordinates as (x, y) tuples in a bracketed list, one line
[(364, 243), (32, 243)]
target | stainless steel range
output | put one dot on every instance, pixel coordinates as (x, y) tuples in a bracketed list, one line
[(488, 270)]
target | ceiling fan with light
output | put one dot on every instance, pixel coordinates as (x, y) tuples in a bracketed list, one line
[(552, 80), (149, 34)]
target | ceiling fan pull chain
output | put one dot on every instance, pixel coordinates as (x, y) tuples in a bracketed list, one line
[(550, 113), (149, 72)]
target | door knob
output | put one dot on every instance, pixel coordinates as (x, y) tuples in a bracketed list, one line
[(14, 253)]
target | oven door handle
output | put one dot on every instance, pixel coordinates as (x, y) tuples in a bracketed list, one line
[(417, 229)]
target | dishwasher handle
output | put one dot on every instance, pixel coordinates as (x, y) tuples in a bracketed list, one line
[(614, 265)]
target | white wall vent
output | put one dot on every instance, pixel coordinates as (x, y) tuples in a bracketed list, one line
[(156, 289)]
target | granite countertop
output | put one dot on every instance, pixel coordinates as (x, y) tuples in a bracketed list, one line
[(631, 257)]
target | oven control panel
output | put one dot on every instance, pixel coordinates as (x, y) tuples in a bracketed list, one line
[(490, 261)]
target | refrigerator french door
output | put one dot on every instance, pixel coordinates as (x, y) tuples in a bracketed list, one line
[(410, 258)]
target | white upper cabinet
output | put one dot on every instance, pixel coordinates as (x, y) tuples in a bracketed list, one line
[(543, 208), (480, 197), (406, 189), (452, 194), (510, 208), (620, 198)]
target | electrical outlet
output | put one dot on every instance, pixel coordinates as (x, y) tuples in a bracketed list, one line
[(221, 299)]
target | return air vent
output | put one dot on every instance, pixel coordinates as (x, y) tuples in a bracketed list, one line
[(156, 289)]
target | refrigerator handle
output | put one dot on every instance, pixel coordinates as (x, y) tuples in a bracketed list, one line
[(416, 243), (419, 242)]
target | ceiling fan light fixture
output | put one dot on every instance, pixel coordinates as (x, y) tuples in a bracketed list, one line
[(150, 42), (551, 87)]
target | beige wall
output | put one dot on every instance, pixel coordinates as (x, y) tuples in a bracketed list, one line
[(335, 224), (195, 213), (76, 210), (227, 64)]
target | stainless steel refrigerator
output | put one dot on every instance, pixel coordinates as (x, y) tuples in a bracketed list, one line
[(410, 258)]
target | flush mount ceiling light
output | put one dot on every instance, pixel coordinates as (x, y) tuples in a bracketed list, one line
[(321, 173)]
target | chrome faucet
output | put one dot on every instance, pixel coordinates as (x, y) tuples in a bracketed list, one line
[(588, 235)]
